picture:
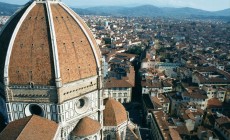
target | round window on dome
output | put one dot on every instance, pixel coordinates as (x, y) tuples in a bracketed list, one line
[(82, 105), (34, 109)]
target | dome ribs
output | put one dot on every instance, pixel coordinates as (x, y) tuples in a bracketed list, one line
[(89, 32), (114, 113), (73, 55), (50, 46), (5, 39), (33, 50)]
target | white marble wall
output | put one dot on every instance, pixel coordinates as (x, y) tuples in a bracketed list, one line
[(123, 95)]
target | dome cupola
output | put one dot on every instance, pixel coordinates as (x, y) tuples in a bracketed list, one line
[(114, 113), (46, 45)]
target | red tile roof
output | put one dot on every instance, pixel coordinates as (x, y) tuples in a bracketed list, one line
[(30, 128), (85, 127), (174, 134), (114, 113), (214, 102), (128, 81)]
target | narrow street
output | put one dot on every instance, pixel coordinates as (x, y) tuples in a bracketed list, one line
[(135, 107)]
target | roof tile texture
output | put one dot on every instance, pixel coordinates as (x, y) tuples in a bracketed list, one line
[(98, 52), (5, 39), (86, 127), (31, 58), (76, 57), (114, 113), (30, 128)]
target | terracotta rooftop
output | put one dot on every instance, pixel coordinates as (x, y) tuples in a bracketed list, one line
[(162, 123), (114, 113), (214, 102), (128, 81), (30, 128), (182, 130), (174, 134), (151, 84), (223, 120), (192, 114), (195, 94), (85, 127), (156, 102), (221, 77), (113, 82)]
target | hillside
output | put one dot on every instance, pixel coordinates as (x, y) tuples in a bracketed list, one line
[(145, 10)]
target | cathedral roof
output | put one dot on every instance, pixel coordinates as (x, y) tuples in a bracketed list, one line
[(30, 128), (45, 41), (114, 113), (86, 127)]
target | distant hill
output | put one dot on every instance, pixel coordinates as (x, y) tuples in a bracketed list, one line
[(153, 11), (225, 12), (8, 9), (145, 10)]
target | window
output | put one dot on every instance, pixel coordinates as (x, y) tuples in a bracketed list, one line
[(114, 94), (80, 103), (108, 137), (34, 109)]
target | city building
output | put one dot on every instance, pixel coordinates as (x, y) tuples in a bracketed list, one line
[(51, 75), (222, 126)]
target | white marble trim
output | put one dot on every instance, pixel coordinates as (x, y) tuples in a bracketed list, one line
[(6, 68), (85, 32), (54, 45)]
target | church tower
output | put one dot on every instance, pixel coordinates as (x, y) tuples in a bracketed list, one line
[(50, 65)]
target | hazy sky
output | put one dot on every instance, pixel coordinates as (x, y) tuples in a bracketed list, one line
[(210, 5)]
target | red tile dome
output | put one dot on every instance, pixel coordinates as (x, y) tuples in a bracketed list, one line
[(114, 113), (86, 127), (45, 42)]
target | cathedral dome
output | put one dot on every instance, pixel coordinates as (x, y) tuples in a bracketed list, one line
[(46, 43), (86, 127), (114, 113)]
